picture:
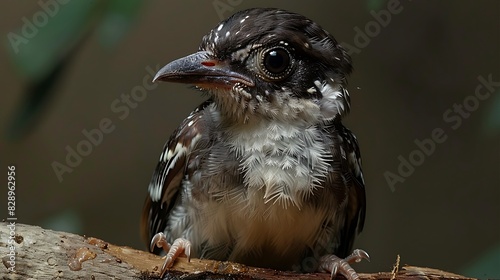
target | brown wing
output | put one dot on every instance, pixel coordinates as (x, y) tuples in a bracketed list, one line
[(345, 148), (167, 178)]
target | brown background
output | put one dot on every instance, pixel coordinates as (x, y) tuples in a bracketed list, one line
[(428, 58)]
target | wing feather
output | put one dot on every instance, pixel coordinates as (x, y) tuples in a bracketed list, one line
[(169, 173), (347, 154)]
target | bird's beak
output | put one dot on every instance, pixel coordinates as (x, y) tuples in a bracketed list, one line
[(202, 70)]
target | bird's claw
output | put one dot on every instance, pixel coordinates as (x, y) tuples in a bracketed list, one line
[(357, 256), (336, 265), (180, 247), (159, 240)]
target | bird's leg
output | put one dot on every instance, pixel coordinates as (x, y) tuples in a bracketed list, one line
[(336, 265), (180, 246)]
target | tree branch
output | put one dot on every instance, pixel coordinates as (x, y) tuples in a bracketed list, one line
[(47, 254)]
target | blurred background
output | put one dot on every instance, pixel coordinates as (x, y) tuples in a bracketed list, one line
[(425, 107)]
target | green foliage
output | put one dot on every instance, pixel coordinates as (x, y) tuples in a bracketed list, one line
[(52, 41), (492, 118), (374, 4), (486, 266), (49, 39), (117, 21)]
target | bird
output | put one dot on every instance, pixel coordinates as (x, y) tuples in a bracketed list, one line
[(263, 172)]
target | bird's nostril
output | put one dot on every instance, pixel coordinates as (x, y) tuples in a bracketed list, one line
[(208, 63)]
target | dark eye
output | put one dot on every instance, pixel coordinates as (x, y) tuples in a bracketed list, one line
[(275, 63)]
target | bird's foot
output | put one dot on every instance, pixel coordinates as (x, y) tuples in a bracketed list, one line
[(180, 247), (336, 265)]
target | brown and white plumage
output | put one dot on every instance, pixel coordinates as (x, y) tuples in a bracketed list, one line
[(264, 172)]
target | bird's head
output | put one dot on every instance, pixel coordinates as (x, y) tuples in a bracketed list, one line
[(268, 63)]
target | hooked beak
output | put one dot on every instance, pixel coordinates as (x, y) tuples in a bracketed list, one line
[(202, 70)]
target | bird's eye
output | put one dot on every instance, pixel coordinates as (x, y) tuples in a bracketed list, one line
[(275, 63)]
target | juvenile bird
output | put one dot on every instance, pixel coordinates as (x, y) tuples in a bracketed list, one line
[(263, 173)]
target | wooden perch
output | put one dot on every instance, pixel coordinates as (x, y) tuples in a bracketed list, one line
[(47, 254)]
